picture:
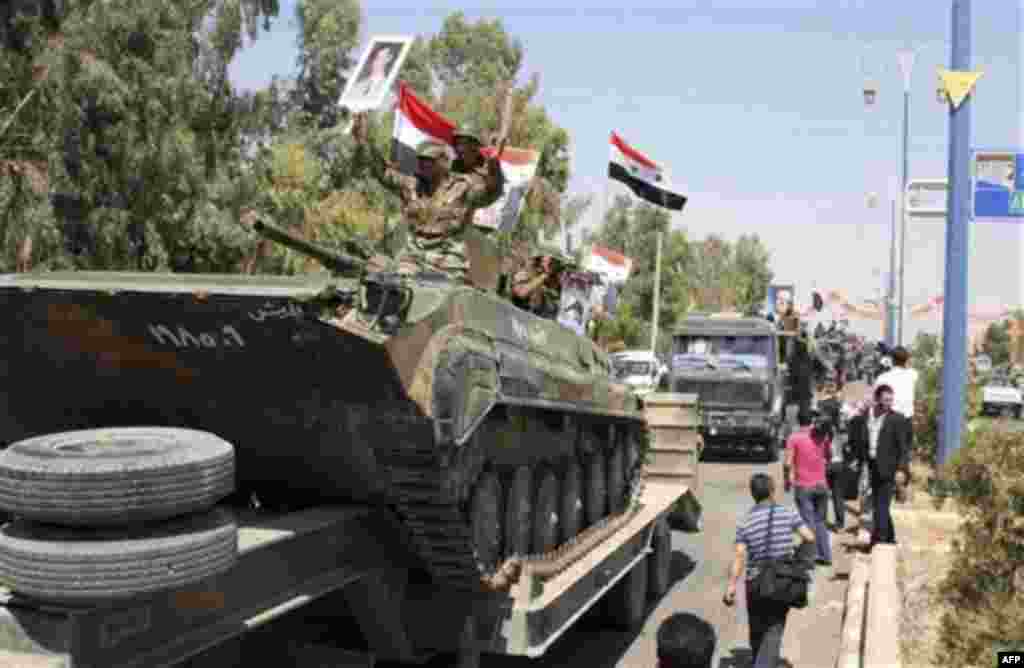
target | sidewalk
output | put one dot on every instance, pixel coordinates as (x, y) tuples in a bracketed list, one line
[(813, 634)]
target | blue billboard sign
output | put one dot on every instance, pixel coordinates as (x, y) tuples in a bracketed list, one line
[(998, 186)]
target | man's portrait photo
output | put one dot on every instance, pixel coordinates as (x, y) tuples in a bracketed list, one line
[(375, 73)]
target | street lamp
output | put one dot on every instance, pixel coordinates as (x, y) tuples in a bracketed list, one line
[(870, 92), (906, 60)]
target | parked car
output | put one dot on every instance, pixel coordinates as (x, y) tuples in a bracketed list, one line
[(641, 370), (1001, 397)]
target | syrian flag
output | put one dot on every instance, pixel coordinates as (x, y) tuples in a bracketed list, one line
[(614, 266), (643, 176), (415, 123), (518, 165)]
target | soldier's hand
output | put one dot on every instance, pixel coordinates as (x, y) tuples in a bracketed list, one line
[(359, 130), (494, 162), (249, 218)]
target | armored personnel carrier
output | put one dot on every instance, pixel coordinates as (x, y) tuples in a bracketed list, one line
[(490, 432)]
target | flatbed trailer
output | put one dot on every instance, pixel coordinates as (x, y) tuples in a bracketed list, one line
[(289, 562), (338, 586)]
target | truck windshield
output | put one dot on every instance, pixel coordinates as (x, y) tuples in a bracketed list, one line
[(758, 346)]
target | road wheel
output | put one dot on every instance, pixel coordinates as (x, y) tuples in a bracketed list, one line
[(486, 521), (83, 565), (519, 513), (627, 601), (545, 513), (616, 470), (772, 448), (1017, 414), (1006, 412), (659, 563), (595, 498), (570, 513), (115, 477)]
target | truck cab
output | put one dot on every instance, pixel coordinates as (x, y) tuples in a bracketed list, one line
[(733, 365)]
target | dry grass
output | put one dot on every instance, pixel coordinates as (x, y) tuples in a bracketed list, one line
[(925, 536)]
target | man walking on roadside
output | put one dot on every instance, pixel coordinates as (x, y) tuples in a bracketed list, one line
[(765, 533), (806, 461), (903, 381), (880, 438)]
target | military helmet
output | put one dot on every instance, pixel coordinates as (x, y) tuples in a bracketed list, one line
[(433, 150), (469, 131)]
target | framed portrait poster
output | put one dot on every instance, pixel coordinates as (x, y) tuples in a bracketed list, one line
[(375, 74)]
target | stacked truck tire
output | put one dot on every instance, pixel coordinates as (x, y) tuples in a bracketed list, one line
[(115, 513)]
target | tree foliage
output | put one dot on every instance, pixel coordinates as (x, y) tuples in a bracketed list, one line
[(711, 274), (138, 152)]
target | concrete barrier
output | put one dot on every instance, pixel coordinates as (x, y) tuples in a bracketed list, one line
[(851, 644), (885, 604), (874, 606)]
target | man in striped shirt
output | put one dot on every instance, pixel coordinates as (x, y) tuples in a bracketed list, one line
[(765, 533)]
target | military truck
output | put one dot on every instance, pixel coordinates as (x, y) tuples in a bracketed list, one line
[(734, 365), (403, 465)]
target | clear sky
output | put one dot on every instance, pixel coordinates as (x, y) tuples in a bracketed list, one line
[(756, 107)]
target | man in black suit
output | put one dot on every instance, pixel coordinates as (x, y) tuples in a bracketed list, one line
[(881, 440)]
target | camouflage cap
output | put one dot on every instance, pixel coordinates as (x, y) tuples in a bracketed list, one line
[(469, 131), (433, 150), (551, 250)]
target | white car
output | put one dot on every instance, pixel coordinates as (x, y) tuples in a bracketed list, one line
[(640, 369), (1000, 397)]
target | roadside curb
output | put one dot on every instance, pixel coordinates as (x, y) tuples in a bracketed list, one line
[(874, 606), (852, 643)]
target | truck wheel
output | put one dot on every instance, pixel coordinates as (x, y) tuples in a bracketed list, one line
[(486, 519), (518, 513), (80, 565), (627, 601), (595, 497), (115, 477), (545, 513), (771, 454), (659, 563), (1018, 412), (570, 512), (1007, 412), (616, 470)]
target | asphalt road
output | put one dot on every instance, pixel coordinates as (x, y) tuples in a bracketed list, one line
[(700, 564)]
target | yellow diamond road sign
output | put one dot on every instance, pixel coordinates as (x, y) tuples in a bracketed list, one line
[(958, 85)]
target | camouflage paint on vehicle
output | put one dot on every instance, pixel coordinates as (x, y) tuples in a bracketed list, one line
[(324, 395)]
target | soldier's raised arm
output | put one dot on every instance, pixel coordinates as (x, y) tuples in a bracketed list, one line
[(487, 188), (381, 168)]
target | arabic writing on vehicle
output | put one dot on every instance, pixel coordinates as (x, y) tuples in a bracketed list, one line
[(227, 337), (271, 312)]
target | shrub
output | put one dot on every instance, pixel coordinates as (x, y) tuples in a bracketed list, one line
[(928, 405), (984, 587)]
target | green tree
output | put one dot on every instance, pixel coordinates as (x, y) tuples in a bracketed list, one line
[(751, 273), (137, 121), (996, 343), (328, 32)]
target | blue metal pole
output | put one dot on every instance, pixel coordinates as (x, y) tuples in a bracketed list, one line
[(954, 326)]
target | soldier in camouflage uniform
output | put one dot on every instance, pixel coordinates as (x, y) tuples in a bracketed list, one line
[(468, 159), (538, 288), (438, 205)]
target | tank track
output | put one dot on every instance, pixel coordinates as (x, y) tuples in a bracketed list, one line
[(430, 488)]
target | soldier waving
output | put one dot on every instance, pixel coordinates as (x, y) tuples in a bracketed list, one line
[(437, 204)]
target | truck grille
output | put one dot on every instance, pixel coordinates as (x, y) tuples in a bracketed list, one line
[(721, 392)]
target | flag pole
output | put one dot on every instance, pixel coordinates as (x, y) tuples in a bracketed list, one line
[(657, 296)]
